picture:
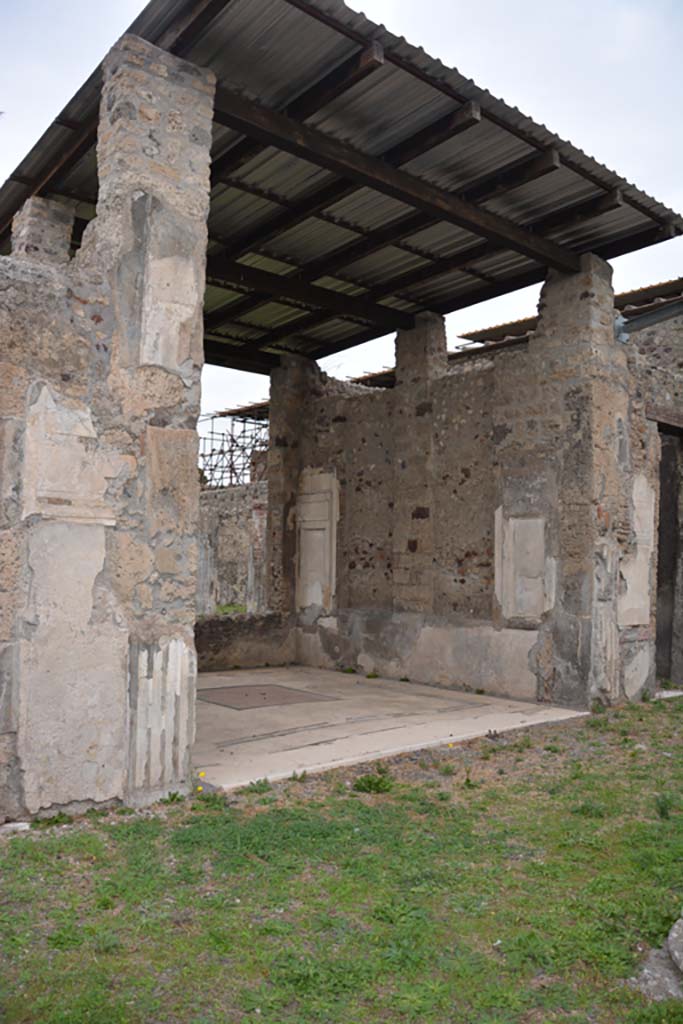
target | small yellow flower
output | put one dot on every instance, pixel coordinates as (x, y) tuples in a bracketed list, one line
[(202, 775), (200, 789), (451, 744)]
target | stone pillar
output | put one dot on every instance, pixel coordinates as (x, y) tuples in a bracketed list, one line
[(561, 428), (102, 488), (151, 235), (42, 230), (290, 386), (32, 305), (420, 359)]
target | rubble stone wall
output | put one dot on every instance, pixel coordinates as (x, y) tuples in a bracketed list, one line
[(100, 361), (496, 518), (232, 528)]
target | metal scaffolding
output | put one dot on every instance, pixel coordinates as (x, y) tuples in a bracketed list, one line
[(233, 450)]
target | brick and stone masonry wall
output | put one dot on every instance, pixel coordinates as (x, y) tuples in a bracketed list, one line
[(576, 497), (495, 518), (414, 558), (232, 529), (100, 361)]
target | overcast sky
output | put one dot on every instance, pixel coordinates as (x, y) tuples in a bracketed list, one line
[(605, 74)]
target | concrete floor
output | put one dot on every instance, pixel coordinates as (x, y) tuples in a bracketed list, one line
[(361, 720)]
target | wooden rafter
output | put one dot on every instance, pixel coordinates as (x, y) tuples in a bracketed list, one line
[(434, 269), (394, 233), (184, 31), (272, 128), (443, 85), (289, 287), (352, 71), (334, 191), (219, 353)]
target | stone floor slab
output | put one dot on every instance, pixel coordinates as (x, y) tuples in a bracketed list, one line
[(357, 720), (243, 698)]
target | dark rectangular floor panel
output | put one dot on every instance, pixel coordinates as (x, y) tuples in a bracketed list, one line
[(242, 698)]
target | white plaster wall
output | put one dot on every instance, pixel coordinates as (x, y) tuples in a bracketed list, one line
[(524, 574), (405, 645), (317, 513), (72, 734), (634, 603)]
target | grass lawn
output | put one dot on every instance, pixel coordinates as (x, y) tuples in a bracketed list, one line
[(512, 879)]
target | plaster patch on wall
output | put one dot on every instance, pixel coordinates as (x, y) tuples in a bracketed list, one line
[(66, 472), (404, 644), (170, 301), (481, 657), (72, 701), (637, 672), (524, 575), (317, 514), (634, 602)]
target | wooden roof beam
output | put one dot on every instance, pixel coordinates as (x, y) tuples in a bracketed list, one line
[(398, 230), (434, 134), (334, 84), (514, 175), (272, 128), (446, 264), (285, 287), (490, 291), (509, 178), (441, 84), (220, 353), (332, 192), (186, 29), (587, 209)]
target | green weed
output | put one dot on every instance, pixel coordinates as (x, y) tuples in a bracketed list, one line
[(231, 609), (172, 798), (664, 803), (377, 783), (258, 786)]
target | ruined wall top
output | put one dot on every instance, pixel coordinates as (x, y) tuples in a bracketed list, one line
[(42, 229)]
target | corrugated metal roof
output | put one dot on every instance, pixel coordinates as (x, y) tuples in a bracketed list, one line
[(273, 51)]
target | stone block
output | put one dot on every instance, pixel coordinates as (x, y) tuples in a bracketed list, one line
[(11, 550), (172, 487), (42, 230), (130, 563)]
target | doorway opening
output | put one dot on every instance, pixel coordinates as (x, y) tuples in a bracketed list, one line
[(669, 630)]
